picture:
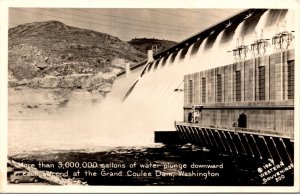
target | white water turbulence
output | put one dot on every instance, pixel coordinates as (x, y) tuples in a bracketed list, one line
[(151, 105)]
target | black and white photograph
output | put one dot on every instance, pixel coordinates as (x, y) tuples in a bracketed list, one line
[(163, 96)]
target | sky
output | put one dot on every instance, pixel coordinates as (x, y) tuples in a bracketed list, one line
[(167, 24)]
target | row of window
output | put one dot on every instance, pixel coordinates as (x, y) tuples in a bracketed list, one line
[(219, 88), (190, 91), (261, 85), (238, 87), (290, 79)]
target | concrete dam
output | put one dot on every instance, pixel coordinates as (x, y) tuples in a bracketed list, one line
[(229, 88)]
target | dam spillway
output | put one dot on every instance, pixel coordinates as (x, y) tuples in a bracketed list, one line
[(244, 64)]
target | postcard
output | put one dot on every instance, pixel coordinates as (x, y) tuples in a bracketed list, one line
[(137, 96)]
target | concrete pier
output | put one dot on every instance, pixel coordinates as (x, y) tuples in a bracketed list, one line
[(265, 145)]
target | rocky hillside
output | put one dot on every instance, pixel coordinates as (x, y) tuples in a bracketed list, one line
[(52, 48), (55, 68), (145, 44)]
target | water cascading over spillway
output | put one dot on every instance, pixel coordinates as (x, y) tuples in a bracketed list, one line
[(153, 99), (152, 103)]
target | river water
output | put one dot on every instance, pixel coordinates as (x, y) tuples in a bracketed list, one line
[(155, 165), (75, 141)]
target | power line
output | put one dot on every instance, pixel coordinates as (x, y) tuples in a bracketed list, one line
[(194, 18), (13, 23), (115, 21), (127, 18), (97, 23), (124, 37), (201, 13), (176, 34)]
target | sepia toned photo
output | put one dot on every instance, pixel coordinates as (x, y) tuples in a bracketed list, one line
[(191, 96)]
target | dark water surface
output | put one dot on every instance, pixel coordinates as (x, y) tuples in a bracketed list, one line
[(162, 165)]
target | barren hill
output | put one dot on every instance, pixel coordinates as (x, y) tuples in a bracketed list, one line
[(53, 48)]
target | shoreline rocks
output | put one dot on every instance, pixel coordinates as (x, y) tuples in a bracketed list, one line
[(101, 82)]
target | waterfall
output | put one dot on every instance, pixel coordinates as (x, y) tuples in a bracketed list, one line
[(152, 104), (155, 92)]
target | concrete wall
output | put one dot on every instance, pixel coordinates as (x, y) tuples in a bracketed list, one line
[(270, 110)]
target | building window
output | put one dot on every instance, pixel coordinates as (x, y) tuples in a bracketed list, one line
[(261, 83), (238, 86), (203, 89), (219, 88), (190, 91), (290, 79)]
